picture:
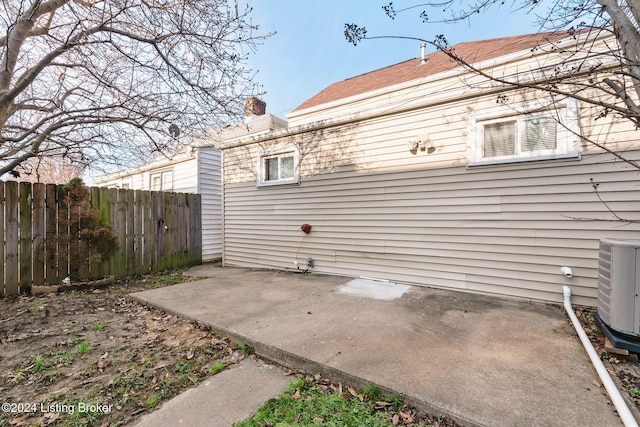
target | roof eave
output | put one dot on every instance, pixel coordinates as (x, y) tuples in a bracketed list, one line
[(487, 63)]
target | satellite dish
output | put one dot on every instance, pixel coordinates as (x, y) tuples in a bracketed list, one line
[(174, 130)]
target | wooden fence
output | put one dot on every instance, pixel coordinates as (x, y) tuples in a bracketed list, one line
[(156, 231)]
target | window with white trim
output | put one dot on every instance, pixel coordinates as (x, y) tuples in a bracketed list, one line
[(279, 167), (161, 180), (539, 135)]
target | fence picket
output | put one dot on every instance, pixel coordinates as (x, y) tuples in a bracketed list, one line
[(52, 276), (95, 268), (11, 233), (2, 208), (149, 232), (131, 231), (39, 229), (26, 242), (138, 218), (105, 220)]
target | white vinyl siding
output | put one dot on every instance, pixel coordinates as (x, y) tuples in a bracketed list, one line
[(210, 187), (200, 174)]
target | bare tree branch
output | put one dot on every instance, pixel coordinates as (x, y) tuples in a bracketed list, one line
[(98, 78), (612, 86)]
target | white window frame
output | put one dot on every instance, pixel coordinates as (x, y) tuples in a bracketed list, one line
[(166, 180), (261, 167), (568, 142)]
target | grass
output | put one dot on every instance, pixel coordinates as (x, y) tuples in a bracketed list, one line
[(15, 338), (99, 326), (83, 347), (308, 401), (39, 363), (153, 401), (37, 305), (217, 367), (245, 348)]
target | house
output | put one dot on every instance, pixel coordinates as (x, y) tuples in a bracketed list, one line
[(391, 171), (198, 170)]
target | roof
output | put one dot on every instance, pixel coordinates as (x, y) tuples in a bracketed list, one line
[(471, 52)]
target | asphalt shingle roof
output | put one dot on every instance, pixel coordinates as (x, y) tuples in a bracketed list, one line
[(437, 62)]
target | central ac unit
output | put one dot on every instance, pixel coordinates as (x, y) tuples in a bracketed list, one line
[(619, 291)]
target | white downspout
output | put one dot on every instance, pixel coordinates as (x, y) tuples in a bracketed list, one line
[(618, 401)]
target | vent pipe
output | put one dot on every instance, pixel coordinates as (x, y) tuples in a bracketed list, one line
[(423, 59)]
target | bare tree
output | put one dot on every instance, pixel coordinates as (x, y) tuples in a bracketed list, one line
[(48, 170), (606, 79), (116, 81)]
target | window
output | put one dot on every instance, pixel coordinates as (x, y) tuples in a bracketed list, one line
[(535, 136), (279, 167), (161, 181)]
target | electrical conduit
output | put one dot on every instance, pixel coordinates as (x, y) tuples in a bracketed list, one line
[(618, 401)]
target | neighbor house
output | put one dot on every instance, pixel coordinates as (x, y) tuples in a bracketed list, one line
[(427, 173), (198, 170)]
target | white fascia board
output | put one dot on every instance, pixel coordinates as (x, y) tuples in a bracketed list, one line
[(184, 157)]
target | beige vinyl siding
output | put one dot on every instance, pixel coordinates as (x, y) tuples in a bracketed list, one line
[(210, 187), (428, 219), (510, 240)]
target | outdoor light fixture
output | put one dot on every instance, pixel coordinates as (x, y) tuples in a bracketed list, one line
[(429, 147), (422, 143)]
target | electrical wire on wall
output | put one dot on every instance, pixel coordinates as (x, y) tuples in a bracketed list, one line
[(306, 228)]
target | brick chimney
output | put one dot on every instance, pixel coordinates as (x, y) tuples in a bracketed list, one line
[(254, 107)]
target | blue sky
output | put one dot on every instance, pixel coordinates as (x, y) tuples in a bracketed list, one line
[(309, 51)]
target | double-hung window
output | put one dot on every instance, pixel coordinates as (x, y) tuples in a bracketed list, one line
[(278, 167), (531, 136)]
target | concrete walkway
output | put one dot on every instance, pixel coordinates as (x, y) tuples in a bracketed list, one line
[(226, 398), (476, 359)]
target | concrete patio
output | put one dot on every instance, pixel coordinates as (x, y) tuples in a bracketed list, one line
[(477, 359)]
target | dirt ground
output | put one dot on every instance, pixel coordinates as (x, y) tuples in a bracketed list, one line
[(96, 358), (98, 351)]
